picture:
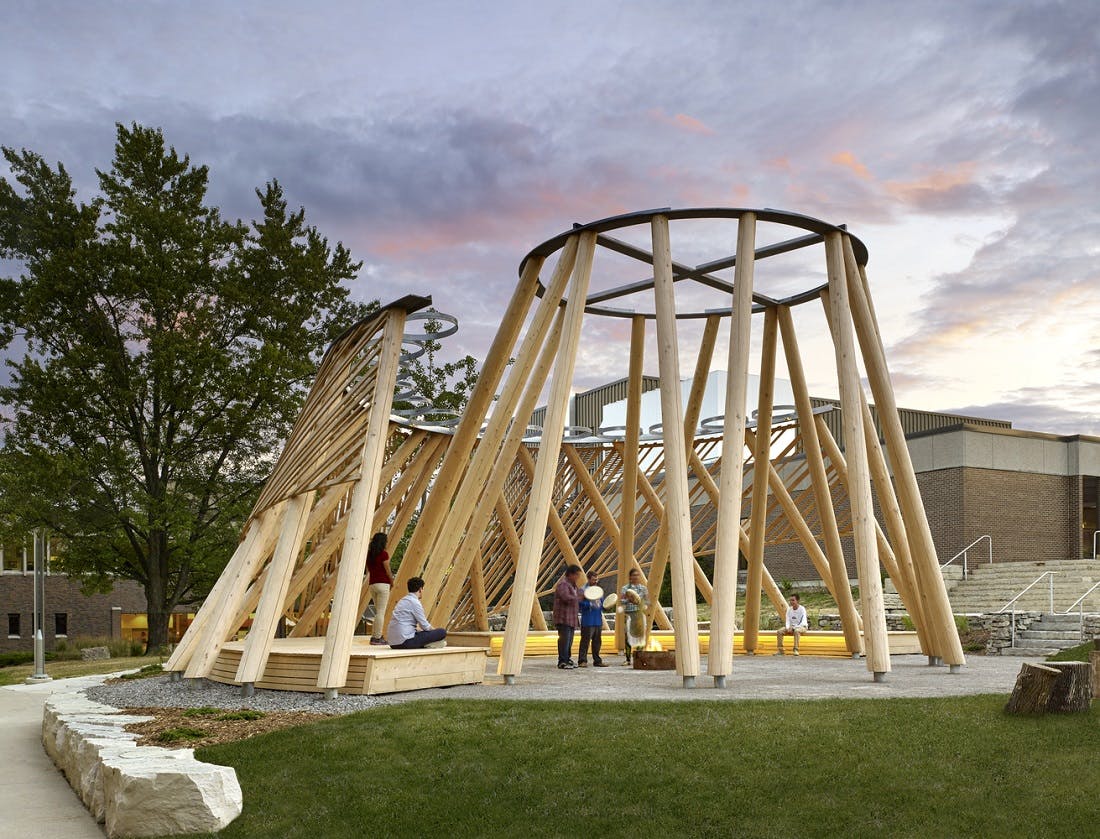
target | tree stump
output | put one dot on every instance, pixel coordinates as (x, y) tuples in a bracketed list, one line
[(1094, 662), (1072, 689), (1033, 688), (655, 660)]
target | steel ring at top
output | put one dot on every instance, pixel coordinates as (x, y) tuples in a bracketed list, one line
[(816, 230)]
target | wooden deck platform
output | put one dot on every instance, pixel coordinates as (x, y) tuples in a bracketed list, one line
[(821, 643), (295, 662)]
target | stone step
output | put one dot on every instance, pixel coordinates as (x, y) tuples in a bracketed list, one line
[(1027, 651), (1060, 620), (1053, 635), (1044, 643)]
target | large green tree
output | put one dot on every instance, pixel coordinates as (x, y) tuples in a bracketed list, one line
[(158, 356)]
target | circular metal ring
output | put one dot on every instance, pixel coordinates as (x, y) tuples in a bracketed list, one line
[(431, 315), (816, 230)]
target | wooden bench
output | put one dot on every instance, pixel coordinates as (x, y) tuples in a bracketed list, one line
[(295, 662)]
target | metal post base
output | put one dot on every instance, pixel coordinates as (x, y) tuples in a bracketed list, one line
[(855, 656), (750, 652), (689, 681), (880, 677), (719, 682), (248, 689), (194, 684), (175, 676), (935, 661), (509, 680), (330, 693), (955, 668)]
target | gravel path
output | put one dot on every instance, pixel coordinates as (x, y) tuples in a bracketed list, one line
[(160, 692), (753, 677)]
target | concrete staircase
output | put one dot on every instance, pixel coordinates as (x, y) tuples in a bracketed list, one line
[(952, 576), (989, 587), (1047, 635)]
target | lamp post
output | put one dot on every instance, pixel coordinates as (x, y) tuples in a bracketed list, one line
[(39, 609)]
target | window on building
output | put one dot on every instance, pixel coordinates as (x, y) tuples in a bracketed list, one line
[(11, 558), (1090, 520), (61, 624), (13, 625)]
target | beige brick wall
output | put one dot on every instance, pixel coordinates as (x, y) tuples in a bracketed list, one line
[(1030, 518)]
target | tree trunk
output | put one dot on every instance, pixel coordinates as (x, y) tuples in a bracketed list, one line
[(156, 593), (1033, 688)]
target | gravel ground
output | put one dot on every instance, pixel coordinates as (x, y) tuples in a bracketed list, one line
[(753, 677), (160, 692)]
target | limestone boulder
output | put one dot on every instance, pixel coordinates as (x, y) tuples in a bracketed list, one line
[(134, 790)]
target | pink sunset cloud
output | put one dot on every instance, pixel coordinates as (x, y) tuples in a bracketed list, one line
[(681, 121)]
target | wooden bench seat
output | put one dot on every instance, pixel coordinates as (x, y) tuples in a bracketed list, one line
[(295, 662)]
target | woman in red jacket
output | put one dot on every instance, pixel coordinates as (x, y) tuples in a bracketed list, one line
[(380, 580)]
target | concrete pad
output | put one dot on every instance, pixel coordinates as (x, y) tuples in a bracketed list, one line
[(752, 677)]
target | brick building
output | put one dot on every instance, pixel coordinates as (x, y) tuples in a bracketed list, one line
[(69, 612)]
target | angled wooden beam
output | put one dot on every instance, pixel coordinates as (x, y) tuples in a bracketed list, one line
[(855, 451), (677, 507), (628, 509), (761, 467), (336, 655), (181, 655), (504, 514), (515, 631), (937, 607), (459, 507), (217, 629), (830, 533), (257, 646), (731, 479), (466, 435)]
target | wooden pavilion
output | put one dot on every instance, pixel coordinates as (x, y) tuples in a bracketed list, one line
[(499, 511)]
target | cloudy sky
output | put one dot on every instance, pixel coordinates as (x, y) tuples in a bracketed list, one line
[(441, 141)]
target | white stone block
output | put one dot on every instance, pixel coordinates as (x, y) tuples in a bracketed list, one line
[(134, 790)]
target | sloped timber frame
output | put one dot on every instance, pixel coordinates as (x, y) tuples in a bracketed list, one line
[(498, 514)]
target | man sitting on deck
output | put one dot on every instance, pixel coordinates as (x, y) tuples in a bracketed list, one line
[(409, 628), (796, 624)]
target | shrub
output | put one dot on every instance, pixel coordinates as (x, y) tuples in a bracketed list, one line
[(145, 672), (175, 735), (205, 711), (16, 658), (243, 714)]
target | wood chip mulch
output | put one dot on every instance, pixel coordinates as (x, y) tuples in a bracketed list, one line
[(217, 731)]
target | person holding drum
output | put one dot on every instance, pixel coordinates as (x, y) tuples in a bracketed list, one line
[(592, 605), (634, 608)]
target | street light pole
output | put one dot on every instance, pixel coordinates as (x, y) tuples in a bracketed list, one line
[(39, 609)]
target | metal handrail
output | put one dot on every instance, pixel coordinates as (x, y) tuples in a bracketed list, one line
[(1080, 603), (962, 553), (1027, 588), (1095, 533)]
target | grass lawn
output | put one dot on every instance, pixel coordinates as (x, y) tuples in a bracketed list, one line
[(67, 669), (847, 768), (1078, 653)]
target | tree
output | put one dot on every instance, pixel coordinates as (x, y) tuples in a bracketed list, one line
[(163, 355)]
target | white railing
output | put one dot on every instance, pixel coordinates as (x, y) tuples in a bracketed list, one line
[(963, 553), (1026, 589), (1079, 603)]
